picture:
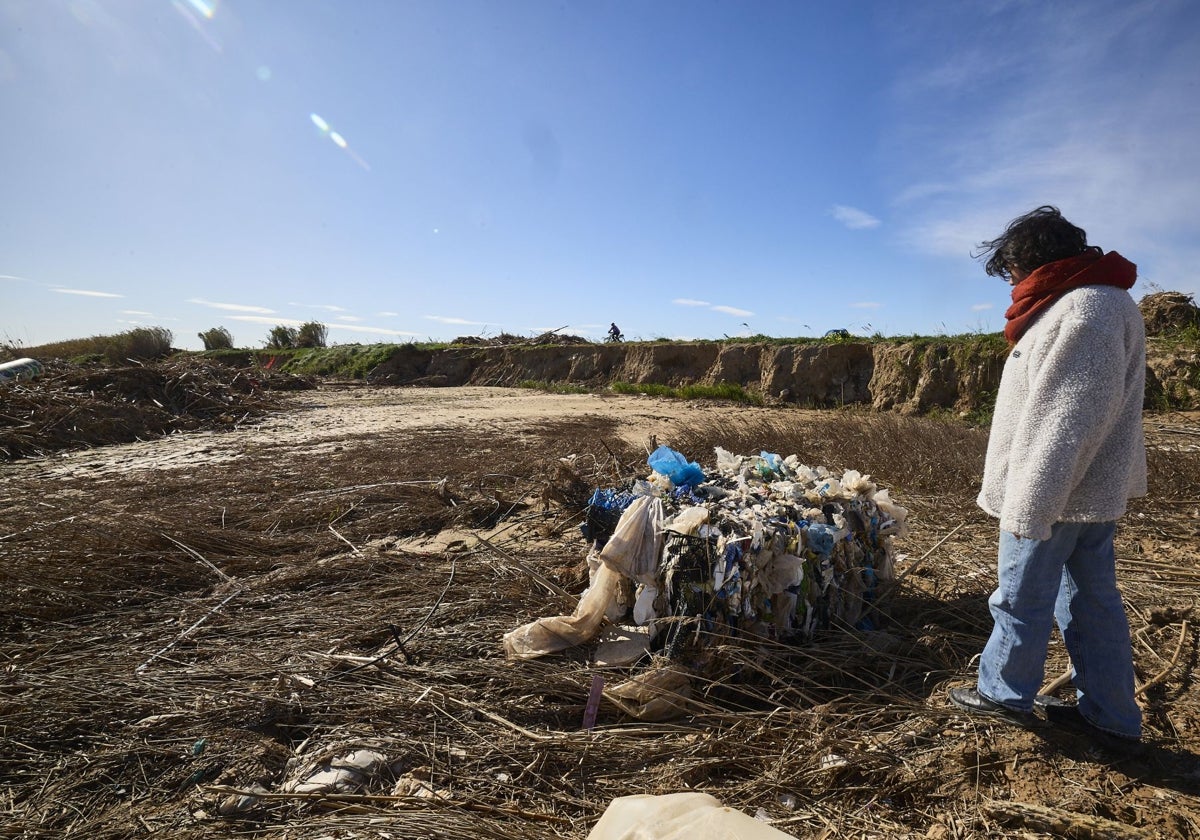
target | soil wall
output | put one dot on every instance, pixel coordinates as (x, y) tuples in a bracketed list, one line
[(909, 377)]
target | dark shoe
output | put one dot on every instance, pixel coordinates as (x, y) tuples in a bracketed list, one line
[(1043, 701), (972, 702), (1067, 716)]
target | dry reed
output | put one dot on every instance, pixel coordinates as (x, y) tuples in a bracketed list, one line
[(172, 640)]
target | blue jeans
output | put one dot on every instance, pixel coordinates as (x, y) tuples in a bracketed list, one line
[(1071, 578)]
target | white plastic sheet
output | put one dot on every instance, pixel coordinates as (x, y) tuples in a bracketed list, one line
[(679, 816), (548, 635)]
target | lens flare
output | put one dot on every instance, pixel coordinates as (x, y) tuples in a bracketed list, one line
[(337, 139), (207, 9), (197, 13)]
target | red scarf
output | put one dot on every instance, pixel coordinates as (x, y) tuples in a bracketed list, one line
[(1050, 282)]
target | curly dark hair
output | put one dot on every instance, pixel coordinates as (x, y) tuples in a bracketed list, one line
[(1029, 242)]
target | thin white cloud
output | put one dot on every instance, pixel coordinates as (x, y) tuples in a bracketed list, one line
[(86, 293), (349, 318), (987, 136), (231, 307), (292, 322), (262, 319), (981, 307), (325, 306), (15, 277), (854, 218), (866, 304), (373, 330), (137, 312), (733, 310), (690, 302), (442, 319), (388, 314)]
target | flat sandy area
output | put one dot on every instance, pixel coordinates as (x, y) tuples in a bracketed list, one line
[(315, 421)]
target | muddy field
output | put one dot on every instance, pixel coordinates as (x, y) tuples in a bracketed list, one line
[(189, 622)]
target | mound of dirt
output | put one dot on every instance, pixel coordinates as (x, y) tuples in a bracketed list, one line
[(507, 339), (1168, 312), (71, 406)]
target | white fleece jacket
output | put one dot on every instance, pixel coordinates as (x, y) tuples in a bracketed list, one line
[(1066, 443)]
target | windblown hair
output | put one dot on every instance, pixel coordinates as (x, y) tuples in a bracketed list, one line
[(1029, 242)]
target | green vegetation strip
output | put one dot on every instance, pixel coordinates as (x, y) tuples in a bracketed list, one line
[(721, 391)]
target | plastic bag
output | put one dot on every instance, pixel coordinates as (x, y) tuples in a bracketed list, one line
[(769, 464), (634, 546), (666, 461)]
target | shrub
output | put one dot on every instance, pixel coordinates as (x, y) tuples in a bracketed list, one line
[(282, 337), (139, 343), (217, 338), (311, 334)]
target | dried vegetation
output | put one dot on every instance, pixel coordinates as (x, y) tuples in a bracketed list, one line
[(73, 406), (175, 643)]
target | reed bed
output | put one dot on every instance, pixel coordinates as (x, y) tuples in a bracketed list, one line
[(72, 407), (175, 645)]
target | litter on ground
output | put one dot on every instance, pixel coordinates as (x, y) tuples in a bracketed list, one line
[(758, 547)]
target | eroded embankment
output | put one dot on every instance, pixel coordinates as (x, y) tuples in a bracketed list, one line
[(910, 377)]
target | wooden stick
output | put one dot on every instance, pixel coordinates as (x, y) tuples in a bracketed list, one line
[(536, 736), (1058, 682), (186, 632), (1061, 823), (538, 577), (1162, 675), (346, 541)]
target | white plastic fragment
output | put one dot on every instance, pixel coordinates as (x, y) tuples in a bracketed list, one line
[(679, 816), (337, 774)]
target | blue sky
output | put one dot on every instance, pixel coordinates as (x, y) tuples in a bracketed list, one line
[(424, 170)]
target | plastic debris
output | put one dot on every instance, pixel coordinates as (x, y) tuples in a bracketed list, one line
[(679, 816), (19, 369), (762, 547), (343, 773), (238, 804), (682, 473)]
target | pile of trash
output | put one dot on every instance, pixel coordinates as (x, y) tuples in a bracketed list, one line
[(760, 547)]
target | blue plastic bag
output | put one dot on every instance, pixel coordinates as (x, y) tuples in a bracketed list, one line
[(819, 538), (674, 466), (770, 464)]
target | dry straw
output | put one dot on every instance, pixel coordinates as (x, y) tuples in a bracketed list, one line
[(171, 640)]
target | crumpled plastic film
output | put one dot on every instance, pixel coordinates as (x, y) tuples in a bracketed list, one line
[(690, 815), (898, 515), (688, 521), (548, 635), (635, 544), (660, 693), (674, 466), (339, 773)]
